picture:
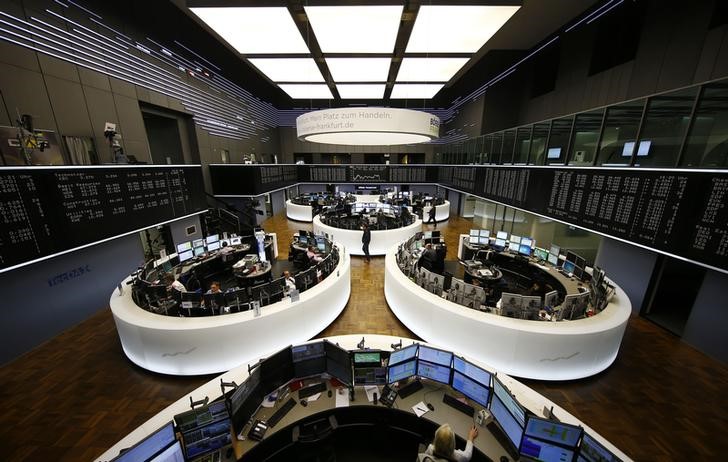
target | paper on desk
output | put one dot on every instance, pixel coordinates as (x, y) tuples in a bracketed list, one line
[(420, 409), (371, 389), (313, 397), (342, 398)]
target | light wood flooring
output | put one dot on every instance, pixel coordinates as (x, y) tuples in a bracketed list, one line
[(76, 395)]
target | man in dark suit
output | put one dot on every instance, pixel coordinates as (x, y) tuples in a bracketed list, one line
[(366, 238)]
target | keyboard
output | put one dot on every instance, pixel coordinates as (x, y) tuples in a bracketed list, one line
[(410, 388), (281, 412), (459, 405), (312, 390), (193, 437)]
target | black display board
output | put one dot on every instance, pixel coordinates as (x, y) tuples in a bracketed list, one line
[(45, 211), (683, 213)]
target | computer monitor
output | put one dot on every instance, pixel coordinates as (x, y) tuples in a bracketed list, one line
[(551, 299), (483, 240), (237, 300), (535, 449), (511, 304), (590, 450), (309, 359), (303, 240), (499, 244), (555, 250), (276, 369), (191, 300), (428, 235), (277, 286), (507, 422), (470, 388), (433, 371), (501, 235), (210, 441), (401, 355), (474, 233), (321, 245), (514, 240), (435, 234), (553, 153), (571, 256), (484, 233), (184, 247), (149, 446), (214, 301), (199, 251), (553, 431), (569, 266), (578, 272), (475, 240), (402, 371), (524, 249), (338, 363), (367, 358), (213, 246), (433, 355), (580, 261), (527, 241), (541, 254), (198, 243), (553, 259), (260, 293), (471, 371), (513, 406), (173, 453), (235, 241), (212, 238), (531, 303), (184, 256)]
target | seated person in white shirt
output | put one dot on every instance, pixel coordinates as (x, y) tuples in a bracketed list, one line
[(443, 446), (173, 283), (214, 288), (311, 254), (290, 281)]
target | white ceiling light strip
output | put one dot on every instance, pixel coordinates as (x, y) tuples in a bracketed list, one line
[(355, 29), (429, 69)]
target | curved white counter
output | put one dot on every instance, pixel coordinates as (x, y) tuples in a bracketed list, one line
[(381, 241), (442, 212), (527, 397), (564, 350), (206, 345), (299, 212)]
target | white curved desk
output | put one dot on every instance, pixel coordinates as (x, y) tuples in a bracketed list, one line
[(527, 397), (564, 350), (206, 345), (442, 212), (381, 241), (298, 212)]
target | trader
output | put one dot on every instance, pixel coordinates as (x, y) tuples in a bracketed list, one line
[(173, 283), (214, 288), (312, 257), (431, 214), (428, 259), (290, 281), (443, 447), (366, 238)]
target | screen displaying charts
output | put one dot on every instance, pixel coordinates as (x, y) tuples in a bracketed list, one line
[(402, 371), (434, 372), (556, 432), (403, 354), (544, 451), (592, 451), (185, 246), (435, 356), (472, 371), (507, 422), (470, 388)]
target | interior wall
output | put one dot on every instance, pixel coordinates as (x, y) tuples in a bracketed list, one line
[(43, 299), (278, 201), (705, 328), (179, 229)]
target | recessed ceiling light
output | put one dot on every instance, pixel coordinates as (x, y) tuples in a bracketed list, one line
[(429, 69), (355, 29), (359, 69), (255, 30), (456, 28), (415, 90), (288, 69), (307, 91), (367, 91)]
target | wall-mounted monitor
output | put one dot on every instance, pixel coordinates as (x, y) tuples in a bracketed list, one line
[(553, 153), (184, 247), (642, 151)]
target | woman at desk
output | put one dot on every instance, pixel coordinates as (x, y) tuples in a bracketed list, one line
[(443, 446)]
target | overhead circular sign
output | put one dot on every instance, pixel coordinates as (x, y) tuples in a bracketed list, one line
[(367, 126)]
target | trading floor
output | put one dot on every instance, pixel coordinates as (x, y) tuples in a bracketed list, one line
[(75, 396)]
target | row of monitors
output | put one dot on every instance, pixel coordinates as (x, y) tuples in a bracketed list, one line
[(161, 446), (190, 249), (305, 238)]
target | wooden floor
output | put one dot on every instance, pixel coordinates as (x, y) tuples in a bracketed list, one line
[(76, 395)]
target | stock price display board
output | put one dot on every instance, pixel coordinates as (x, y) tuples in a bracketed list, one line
[(682, 213), (369, 173), (45, 211)]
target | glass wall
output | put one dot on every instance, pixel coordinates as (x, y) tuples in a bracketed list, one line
[(675, 128)]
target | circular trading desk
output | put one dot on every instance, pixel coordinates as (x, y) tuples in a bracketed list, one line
[(360, 421), (298, 212), (212, 344), (381, 240), (564, 350)]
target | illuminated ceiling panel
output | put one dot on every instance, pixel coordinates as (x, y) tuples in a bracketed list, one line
[(307, 91), (355, 29), (359, 69), (365, 91), (415, 90), (255, 30), (429, 69), (288, 69)]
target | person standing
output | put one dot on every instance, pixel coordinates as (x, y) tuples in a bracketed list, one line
[(366, 238), (431, 215)]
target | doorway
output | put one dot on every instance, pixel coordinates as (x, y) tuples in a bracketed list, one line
[(164, 139)]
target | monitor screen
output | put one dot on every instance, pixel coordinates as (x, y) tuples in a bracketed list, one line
[(627, 149), (184, 256), (502, 235), (277, 369), (555, 249), (368, 357), (470, 388), (212, 238), (554, 259), (579, 261), (500, 243), (213, 245), (149, 446), (524, 250), (303, 240), (401, 371), (551, 299), (307, 351), (321, 245), (338, 363), (473, 239), (198, 243), (591, 450), (556, 432), (474, 233), (527, 241), (510, 402), (543, 451), (184, 247), (578, 272), (569, 266), (435, 234), (428, 235), (244, 401), (171, 454), (199, 251), (434, 355), (482, 240), (484, 233), (510, 426), (644, 148), (515, 240), (541, 254), (235, 241), (472, 371), (403, 354), (571, 256), (433, 371), (553, 153)]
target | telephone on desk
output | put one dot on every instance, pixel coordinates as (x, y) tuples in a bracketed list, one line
[(388, 396)]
